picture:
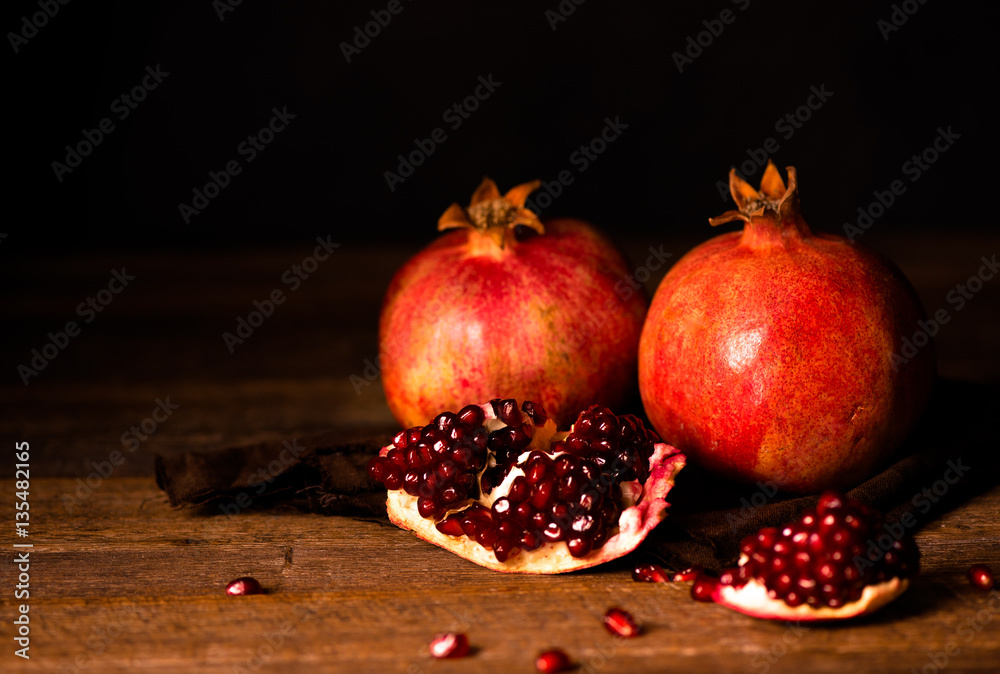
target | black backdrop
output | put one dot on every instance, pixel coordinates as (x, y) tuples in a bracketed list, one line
[(560, 75)]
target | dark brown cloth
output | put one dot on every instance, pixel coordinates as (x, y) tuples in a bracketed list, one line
[(951, 456)]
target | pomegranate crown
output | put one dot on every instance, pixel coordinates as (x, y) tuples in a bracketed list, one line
[(492, 214), (773, 197)]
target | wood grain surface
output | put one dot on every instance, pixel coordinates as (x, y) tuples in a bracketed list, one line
[(120, 581)]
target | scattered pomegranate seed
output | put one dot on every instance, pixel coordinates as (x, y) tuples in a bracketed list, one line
[(703, 588), (650, 573), (687, 574), (981, 577), (449, 645), (621, 623), (552, 661), (242, 586)]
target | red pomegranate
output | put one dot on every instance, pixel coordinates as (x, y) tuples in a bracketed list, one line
[(774, 354), (505, 306), (836, 561), (501, 487)]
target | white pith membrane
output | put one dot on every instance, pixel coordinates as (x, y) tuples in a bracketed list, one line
[(753, 600), (642, 510)]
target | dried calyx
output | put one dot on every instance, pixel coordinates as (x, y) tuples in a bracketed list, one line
[(493, 215)]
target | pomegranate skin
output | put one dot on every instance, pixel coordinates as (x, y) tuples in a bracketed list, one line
[(537, 319), (773, 354)]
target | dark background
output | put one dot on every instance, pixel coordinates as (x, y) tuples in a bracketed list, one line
[(654, 186), (325, 172)]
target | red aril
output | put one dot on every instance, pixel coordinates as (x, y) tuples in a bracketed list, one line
[(499, 486), (449, 645), (243, 586), (981, 577), (553, 661), (620, 622), (836, 561)]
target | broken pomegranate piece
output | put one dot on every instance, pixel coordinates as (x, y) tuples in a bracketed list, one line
[(837, 561), (497, 485)]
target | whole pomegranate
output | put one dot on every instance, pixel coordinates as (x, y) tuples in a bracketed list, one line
[(773, 354), (501, 487), (505, 306)]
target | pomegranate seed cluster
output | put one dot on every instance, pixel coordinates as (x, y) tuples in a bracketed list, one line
[(571, 493), (827, 557)]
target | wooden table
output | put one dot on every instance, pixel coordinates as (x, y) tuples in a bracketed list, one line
[(119, 581)]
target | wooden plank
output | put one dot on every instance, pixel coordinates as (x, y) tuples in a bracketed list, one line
[(126, 583)]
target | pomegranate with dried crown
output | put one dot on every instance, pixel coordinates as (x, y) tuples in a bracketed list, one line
[(774, 354), (503, 305), (499, 486), (836, 561)]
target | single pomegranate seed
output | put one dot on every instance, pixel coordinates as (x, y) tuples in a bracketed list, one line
[(650, 573), (507, 412), (687, 574), (534, 410), (621, 623), (552, 661), (981, 577), (451, 525), (471, 416), (244, 586), (703, 588), (449, 645), (580, 546), (520, 490)]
